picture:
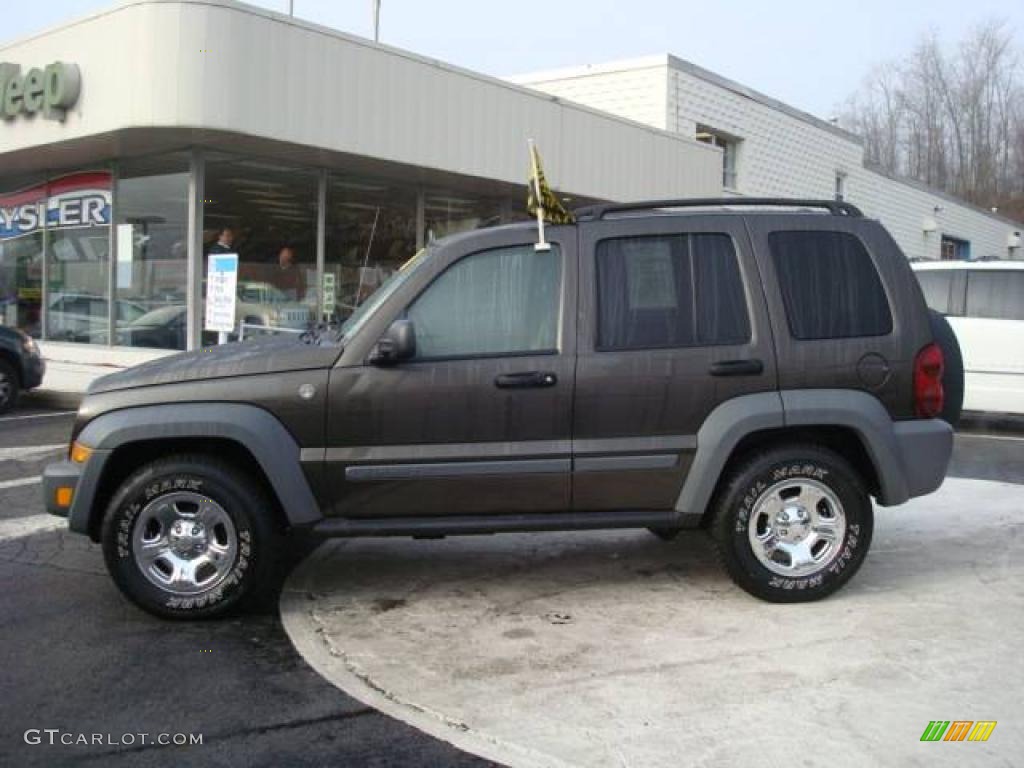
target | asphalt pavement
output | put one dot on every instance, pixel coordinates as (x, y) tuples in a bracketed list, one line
[(76, 657)]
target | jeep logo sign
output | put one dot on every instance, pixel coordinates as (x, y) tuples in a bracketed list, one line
[(51, 91)]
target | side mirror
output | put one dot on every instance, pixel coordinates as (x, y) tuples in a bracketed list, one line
[(397, 344)]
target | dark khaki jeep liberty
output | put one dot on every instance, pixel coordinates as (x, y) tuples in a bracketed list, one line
[(760, 368)]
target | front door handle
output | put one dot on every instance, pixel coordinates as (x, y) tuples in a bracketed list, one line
[(737, 368), (525, 380)]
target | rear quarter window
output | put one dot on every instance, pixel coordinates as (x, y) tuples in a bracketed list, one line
[(830, 287)]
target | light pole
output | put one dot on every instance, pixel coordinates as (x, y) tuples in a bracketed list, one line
[(291, 7), (376, 20)]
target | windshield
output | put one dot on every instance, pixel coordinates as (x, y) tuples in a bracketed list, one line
[(364, 311)]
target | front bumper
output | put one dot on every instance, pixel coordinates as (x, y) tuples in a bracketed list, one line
[(83, 479), (33, 370)]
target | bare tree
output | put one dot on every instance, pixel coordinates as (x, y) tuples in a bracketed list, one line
[(952, 117)]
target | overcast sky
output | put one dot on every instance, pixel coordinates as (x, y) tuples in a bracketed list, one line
[(809, 54)]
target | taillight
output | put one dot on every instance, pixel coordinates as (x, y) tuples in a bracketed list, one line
[(928, 394)]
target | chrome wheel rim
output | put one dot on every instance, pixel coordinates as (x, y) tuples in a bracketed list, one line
[(184, 543), (797, 527)]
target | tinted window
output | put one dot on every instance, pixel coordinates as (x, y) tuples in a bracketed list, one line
[(494, 302), (829, 284), (937, 288), (670, 291), (995, 294)]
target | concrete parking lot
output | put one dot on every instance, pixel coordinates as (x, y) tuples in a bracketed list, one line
[(607, 648), (615, 648)]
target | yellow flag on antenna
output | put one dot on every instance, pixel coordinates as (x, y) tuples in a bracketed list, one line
[(541, 197)]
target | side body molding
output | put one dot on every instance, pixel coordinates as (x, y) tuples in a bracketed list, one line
[(720, 433), (273, 447)]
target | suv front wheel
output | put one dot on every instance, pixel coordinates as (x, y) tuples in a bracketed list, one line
[(189, 537), (793, 524)]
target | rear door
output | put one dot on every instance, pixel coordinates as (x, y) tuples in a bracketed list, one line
[(672, 322)]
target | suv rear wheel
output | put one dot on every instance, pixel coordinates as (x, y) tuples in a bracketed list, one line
[(793, 524), (189, 537)]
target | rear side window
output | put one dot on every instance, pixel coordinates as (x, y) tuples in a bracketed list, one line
[(829, 284), (995, 294), (666, 291), (937, 286)]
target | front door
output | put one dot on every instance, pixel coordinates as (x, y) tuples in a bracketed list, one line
[(672, 323), (479, 422)]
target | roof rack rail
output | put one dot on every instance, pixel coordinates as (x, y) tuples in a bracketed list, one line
[(834, 207)]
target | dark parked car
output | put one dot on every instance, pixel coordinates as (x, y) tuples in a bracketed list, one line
[(21, 366), (760, 372)]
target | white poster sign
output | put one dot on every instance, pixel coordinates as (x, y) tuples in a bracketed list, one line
[(125, 254), (221, 292)]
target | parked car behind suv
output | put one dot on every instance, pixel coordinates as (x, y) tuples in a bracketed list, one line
[(762, 372), (984, 302), (21, 366)]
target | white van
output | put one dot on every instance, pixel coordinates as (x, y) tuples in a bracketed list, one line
[(984, 302)]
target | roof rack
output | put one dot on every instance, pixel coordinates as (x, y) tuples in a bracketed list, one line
[(834, 207)]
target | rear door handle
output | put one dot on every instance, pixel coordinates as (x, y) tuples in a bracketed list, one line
[(737, 368), (525, 380)]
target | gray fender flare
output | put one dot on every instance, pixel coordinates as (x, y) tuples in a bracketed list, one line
[(273, 447), (886, 444), (909, 457), (717, 437)]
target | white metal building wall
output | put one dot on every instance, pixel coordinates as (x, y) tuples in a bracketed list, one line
[(783, 152)]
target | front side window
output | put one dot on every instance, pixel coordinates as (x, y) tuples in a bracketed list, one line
[(830, 287), (496, 302), (665, 291), (995, 294)]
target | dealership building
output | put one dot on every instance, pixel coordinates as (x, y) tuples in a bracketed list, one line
[(133, 137)]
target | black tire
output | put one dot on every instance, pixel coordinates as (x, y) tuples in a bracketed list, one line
[(783, 468), (953, 367), (10, 386), (238, 496)]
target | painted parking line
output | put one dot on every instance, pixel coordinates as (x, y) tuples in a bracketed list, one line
[(991, 437), (36, 416), (26, 526), (21, 481), (30, 452)]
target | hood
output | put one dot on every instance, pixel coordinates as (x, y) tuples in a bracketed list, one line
[(264, 355)]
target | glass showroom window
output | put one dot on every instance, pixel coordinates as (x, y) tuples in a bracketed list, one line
[(77, 209), (371, 232), (448, 213), (265, 212), (151, 264), (22, 202)]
